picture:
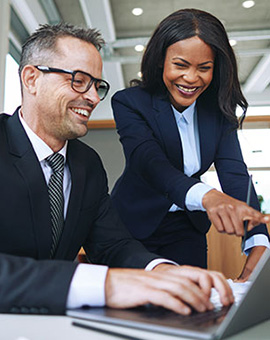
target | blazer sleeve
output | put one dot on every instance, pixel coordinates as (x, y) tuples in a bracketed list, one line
[(233, 174), (109, 241), (28, 286)]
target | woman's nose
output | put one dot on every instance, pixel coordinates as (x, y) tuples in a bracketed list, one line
[(191, 75)]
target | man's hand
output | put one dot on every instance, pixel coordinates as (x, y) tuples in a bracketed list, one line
[(205, 279), (180, 289), (228, 214)]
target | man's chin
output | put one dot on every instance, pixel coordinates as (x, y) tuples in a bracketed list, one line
[(78, 133)]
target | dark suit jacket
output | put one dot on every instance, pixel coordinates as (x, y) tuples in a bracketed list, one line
[(28, 286), (91, 222), (153, 178)]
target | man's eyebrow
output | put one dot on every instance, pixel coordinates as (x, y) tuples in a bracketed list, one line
[(186, 62)]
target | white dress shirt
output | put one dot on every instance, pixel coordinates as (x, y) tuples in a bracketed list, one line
[(188, 129), (88, 283)]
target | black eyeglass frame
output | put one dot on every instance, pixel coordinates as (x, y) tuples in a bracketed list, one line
[(47, 69)]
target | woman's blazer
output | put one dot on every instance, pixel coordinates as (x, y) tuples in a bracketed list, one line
[(153, 178)]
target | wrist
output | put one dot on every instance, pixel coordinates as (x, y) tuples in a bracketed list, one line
[(208, 197), (164, 266)]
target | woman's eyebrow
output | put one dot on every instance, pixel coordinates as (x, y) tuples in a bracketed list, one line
[(187, 62), (206, 62), (183, 60)]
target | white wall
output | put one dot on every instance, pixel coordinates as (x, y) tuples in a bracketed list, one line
[(107, 145)]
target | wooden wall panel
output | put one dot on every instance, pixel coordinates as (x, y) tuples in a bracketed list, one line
[(224, 253)]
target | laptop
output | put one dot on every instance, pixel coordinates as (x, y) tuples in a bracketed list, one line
[(253, 308)]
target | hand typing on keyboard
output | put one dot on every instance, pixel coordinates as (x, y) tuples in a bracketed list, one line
[(182, 289), (239, 290)]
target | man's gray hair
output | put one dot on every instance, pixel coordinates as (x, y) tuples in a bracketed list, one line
[(43, 42)]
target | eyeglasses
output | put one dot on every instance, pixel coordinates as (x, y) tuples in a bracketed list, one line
[(81, 81)]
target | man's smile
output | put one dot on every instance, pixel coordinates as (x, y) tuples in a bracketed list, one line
[(82, 112)]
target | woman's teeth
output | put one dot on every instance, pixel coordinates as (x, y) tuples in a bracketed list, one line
[(187, 89)]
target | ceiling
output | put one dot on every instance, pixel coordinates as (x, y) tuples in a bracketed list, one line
[(122, 31)]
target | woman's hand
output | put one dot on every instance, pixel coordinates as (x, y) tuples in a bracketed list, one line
[(252, 260), (228, 214)]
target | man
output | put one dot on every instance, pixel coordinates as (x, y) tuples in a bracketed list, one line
[(54, 197)]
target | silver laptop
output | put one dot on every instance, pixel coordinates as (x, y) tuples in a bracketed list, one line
[(252, 309)]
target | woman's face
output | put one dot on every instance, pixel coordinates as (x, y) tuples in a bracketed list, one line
[(188, 71)]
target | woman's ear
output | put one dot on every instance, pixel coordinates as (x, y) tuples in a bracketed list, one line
[(29, 78)]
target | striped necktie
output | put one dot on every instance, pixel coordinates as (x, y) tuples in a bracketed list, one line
[(56, 197)]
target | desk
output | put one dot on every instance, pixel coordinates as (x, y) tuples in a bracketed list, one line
[(29, 327)]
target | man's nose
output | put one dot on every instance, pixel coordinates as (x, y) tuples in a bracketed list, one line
[(92, 95)]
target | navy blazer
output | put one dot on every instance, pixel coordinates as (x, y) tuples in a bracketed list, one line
[(91, 221), (153, 178)]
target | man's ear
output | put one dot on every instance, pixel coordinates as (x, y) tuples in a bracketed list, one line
[(29, 78)]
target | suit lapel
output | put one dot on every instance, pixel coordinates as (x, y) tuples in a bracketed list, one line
[(78, 175), (28, 166), (207, 118), (169, 132)]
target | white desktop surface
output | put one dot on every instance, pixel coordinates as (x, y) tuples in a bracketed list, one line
[(33, 327)]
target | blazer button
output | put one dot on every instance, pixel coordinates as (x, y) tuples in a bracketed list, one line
[(34, 310), (43, 310), (14, 310), (24, 310)]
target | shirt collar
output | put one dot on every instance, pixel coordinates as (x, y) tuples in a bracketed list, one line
[(187, 114), (42, 150)]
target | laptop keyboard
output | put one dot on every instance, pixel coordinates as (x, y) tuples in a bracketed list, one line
[(208, 318)]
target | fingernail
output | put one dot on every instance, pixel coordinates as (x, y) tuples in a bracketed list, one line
[(210, 306), (201, 308), (186, 310), (226, 300)]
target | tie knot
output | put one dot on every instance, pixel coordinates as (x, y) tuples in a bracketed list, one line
[(56, 162)]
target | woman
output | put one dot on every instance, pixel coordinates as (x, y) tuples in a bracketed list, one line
[(177, 122)]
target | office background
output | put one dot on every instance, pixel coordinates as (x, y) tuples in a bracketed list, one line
[(126, 32)]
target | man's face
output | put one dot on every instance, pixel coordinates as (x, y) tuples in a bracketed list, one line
[(60, 113)]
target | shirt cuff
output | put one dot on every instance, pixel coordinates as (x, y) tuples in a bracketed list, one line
[(151, 265), (255, 241), (87, 286), (195, 195)]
